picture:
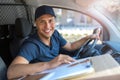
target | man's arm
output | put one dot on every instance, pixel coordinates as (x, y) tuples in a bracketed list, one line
[(21, 67), (77, 44)]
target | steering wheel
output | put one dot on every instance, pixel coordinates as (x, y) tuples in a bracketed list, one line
[(88, 49)]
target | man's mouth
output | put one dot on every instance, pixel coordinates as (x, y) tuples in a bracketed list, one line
[(47, 31)]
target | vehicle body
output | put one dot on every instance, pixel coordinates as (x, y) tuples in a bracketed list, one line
[(68, 23)]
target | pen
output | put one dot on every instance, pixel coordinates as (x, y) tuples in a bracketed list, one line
[(84, 61)]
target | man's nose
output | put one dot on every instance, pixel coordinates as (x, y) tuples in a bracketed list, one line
[(47, 25)]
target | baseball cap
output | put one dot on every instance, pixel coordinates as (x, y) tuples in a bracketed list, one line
[(44, 10)]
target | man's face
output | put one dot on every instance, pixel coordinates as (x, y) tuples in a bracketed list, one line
[(45, 26)]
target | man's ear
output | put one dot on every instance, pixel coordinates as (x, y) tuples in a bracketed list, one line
[(35, 24)]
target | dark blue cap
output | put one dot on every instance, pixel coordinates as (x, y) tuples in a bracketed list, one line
[(44, 10)]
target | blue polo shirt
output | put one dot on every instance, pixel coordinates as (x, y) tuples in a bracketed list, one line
[(34, 50)]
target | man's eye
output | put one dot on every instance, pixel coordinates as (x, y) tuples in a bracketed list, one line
[(41, 22), (51, 21)]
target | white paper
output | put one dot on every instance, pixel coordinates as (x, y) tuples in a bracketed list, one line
[(82, 66)]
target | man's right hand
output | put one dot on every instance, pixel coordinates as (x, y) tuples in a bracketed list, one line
[(60, 59)]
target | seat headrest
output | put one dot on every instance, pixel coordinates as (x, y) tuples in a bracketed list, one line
[(22, 27)]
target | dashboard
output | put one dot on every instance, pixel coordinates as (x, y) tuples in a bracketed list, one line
[(113, 48), (106, 50)]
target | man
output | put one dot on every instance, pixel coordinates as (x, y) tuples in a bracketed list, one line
[(43, 47)]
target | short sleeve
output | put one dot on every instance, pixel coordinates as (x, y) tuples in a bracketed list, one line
[(29, 51), (60, 38)]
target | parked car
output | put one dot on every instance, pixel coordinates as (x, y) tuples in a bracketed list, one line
[(74, 20)]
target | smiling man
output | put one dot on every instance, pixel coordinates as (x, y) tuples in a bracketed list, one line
[(41, 50)]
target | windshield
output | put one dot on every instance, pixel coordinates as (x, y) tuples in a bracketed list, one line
[(111, 9), (74, 25)]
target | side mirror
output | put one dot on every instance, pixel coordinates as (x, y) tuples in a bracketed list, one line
[(97, 31)]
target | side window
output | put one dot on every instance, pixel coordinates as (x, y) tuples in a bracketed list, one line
[(73, 25)]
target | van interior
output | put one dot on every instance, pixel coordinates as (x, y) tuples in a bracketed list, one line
[(17, 23)]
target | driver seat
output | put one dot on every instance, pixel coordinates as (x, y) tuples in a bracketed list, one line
[(21, 32)]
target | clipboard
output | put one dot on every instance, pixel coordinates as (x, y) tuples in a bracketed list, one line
[(65, 71)]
